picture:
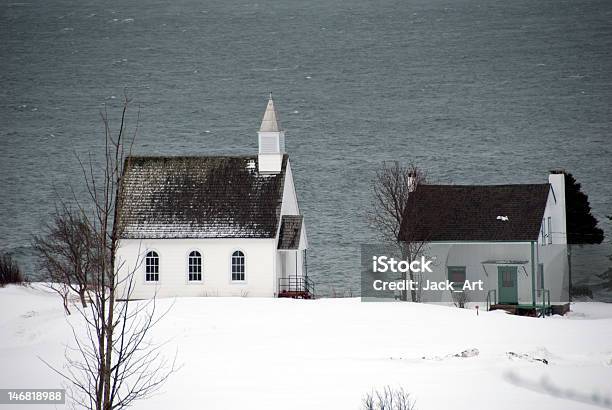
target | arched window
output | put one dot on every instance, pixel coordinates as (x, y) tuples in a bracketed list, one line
[(152, 267), (238, 263), (195, 266)]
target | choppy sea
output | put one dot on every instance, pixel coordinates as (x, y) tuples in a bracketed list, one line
[(472, 91)]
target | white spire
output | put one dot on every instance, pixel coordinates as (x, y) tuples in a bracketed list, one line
[(271, 141), (270, 119)]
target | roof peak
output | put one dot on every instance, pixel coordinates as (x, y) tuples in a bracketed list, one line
[(270, 122), (134, 157), (460, 186)]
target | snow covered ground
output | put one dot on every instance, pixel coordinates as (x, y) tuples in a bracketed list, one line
[(253, 353)]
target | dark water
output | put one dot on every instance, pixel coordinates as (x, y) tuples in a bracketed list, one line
[(473, 91)]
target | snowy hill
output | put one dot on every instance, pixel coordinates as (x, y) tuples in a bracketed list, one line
[(254, 353)]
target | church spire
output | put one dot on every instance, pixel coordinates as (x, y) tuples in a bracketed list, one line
[(270, 123), (271, 141)]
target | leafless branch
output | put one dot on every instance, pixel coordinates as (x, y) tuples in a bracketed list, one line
[(388, 399), (115, 361), (393, 187)]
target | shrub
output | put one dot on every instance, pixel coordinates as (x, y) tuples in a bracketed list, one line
[(9, 270), (581, 291), (388, 399)]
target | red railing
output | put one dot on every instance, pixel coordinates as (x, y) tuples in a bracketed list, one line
[(296, 287)]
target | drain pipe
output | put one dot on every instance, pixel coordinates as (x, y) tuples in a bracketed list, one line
[(533, 281)]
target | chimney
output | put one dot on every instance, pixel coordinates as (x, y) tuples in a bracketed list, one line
[(556, 179), (411, 181)]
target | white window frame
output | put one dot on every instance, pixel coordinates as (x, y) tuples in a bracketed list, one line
[(449, 269), (231, 267), (152, 282), (188, 266), (543, 231)]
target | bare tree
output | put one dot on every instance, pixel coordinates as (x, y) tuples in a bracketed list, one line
[(394, 184), (115, 362), (65, 253), (64, 292), (388, 399), (460, 298)]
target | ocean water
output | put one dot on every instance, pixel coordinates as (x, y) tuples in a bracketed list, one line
[(472, 91)]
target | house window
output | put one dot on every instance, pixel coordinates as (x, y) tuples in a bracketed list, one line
[(238, 262), (507, 279), (543, 231), (456, 275), (195, 266), (549, 230), (152, 267)]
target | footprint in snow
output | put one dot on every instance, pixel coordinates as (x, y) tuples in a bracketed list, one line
[(466, 353), (523, 356)]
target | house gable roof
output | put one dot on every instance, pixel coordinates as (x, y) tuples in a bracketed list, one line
[(470, 212), (200, 197), (290, 230)]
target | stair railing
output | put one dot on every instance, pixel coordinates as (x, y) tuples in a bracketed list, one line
[(543, 296)]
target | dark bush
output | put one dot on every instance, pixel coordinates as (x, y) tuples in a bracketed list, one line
[(9, 270), (388, 399), (581, 291)]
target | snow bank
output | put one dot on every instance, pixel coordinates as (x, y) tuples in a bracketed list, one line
[(325, 354)]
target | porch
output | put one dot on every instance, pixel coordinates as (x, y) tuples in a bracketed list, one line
[(296, 287), (541, 308)]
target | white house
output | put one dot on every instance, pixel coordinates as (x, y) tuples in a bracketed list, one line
[(213, 225), (512, 237)]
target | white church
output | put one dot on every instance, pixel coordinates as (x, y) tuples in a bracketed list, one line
[(213, 225)]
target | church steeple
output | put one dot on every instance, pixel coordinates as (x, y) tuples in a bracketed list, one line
[(270, 123), (271, 141)]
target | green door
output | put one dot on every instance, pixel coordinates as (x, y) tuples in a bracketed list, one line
[(507, 283)]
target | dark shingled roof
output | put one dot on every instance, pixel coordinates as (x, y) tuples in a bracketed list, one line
[(469, 213), (291, 227), (200, 197)]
